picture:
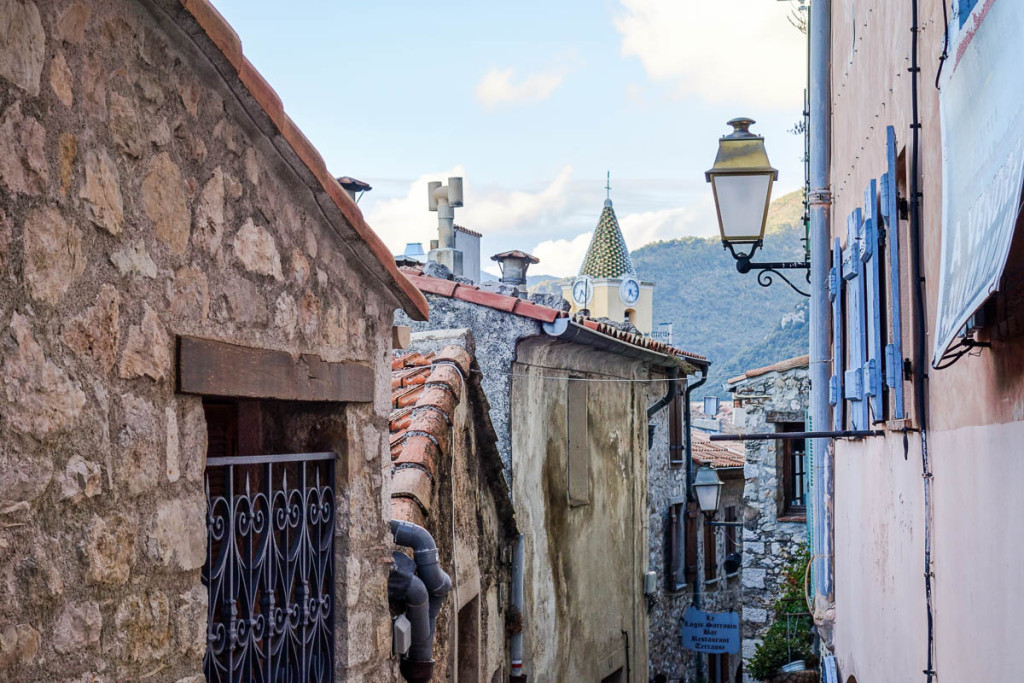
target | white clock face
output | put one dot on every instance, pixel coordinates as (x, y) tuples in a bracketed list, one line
[(629, 291), (582, 291)]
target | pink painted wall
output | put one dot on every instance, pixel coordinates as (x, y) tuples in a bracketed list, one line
[(976, 412)]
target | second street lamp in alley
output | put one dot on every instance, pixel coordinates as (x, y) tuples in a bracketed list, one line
[(707, 487), (741, 181)]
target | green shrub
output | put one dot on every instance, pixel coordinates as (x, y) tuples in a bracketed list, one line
[(791, 634)]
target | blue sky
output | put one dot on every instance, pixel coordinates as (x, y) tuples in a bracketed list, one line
[(532, 103)]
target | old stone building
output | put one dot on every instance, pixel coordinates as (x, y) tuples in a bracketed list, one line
[(181, 277), (771, 399), (569, 399), (693, 561), (448, 479)]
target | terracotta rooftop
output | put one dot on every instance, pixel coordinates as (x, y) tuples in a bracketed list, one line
[(226, 41), (425, 390), (714, 453), (528, 309), (781, 366)]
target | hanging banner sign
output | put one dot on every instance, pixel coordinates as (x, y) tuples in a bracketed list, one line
[(982, 109), (711, 632)]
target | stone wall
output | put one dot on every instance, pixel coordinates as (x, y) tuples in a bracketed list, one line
[(769, 543), (140, 199)]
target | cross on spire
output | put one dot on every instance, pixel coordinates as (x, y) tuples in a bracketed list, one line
[(608, 186)]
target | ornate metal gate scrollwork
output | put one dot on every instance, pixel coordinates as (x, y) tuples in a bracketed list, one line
[(270, 568)]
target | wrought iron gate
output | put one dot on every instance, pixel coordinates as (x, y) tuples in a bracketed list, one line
[(270, 568)]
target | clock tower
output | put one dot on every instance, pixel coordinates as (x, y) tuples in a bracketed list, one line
[(607, 285)]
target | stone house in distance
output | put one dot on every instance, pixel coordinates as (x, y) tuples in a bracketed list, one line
[(194, 315), (771, 399)]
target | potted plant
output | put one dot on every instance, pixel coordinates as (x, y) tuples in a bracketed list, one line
[(791, 635)]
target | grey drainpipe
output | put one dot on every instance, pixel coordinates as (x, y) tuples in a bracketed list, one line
[(819, 201), (688, 438), (418, 665), (670, 393), (516, 645)]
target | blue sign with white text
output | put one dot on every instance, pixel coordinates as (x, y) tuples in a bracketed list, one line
[(711, 632)]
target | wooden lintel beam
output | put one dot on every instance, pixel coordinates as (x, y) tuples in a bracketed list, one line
[(214, 368)]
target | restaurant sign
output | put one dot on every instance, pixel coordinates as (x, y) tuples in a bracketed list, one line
[(711, 632), (982, 108)]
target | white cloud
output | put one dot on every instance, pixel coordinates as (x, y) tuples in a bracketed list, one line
[(500, 86), (494, 211), (696, 219), (562, 257), (740, 52)]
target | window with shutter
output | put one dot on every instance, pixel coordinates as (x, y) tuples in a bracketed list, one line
[(856, 334), (710, 552), (579, 449), (676, 447), (835, 295), (890, 220), (691, 542), (870, 256), (675, 548)]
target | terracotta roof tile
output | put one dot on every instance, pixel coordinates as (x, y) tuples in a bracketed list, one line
[(714, 453), (466, 230), (407, 511), (783, 365), (228, 44), (412, 482), (425, 391)]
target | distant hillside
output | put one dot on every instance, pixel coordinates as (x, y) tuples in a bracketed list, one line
[(726, 316)]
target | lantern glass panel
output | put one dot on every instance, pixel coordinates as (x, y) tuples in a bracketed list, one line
[(742, 205), (708, 488)]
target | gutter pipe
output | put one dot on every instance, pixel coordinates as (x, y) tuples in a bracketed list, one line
[(921, 320), (819, 202), (423, 607), (516, 644), (688, 438)]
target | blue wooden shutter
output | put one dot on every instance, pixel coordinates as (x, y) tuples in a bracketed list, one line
[(870, 257), (835, 295), (856, 334), (890, 214)]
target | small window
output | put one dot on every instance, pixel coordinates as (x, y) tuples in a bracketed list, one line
[(710, 552), (579, 448), (675, 547), (792, 472), (676, 446)]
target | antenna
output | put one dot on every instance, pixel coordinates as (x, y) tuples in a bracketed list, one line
[(608, 190)]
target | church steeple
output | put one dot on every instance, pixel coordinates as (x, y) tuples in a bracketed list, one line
[(607, 256)]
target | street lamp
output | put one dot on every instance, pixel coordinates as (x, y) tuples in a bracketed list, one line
[(707, 486), (741, 181)]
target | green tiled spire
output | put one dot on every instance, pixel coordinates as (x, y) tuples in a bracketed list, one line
[(607, 255)]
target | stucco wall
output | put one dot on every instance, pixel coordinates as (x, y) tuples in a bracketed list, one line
[(975, 409), (584, 564), (141, 201)]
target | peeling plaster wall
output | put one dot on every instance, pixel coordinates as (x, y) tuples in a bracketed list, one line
[(584, 564), (138, 201)]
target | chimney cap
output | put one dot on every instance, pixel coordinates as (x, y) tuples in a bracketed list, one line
[(353, 185), (515, 253)]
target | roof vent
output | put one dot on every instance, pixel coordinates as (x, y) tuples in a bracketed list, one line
[(444, 199), (414, 250)]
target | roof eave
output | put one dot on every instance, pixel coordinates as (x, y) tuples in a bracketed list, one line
[(568, 330)]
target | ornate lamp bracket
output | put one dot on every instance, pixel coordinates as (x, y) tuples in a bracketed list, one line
[(767, 270)]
